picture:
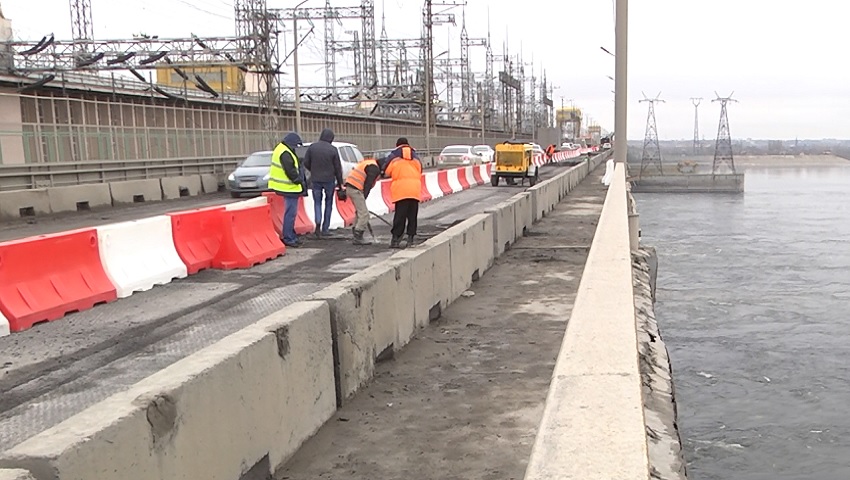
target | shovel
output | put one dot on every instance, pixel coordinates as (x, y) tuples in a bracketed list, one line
[(381, 219), (374, 238)]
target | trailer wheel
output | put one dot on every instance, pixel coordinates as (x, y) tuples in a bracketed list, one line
[(494, 180)]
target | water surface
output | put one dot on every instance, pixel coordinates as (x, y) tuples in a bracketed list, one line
[(754, 304)]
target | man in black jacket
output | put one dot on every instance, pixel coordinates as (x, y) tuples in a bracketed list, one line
[(322, 160)]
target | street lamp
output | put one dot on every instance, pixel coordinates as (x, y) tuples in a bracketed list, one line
[(621, 32)]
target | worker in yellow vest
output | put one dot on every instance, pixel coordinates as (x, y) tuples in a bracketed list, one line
[(359, 183), (288, 179)]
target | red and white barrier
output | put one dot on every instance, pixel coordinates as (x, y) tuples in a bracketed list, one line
[(140, 254), (117, 260), (4, 326)]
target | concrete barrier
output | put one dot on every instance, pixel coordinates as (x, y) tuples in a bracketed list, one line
[(15, 475), (504, 226), (368, 310), (79, 197), (594, 409), (135, 191), (470, 250), (244, 404), (430, 267), (209, 182), (23, 203), (177, 187), (523, 213)]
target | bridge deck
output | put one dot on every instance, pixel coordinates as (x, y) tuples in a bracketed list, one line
[(55, 370), (464, 399)]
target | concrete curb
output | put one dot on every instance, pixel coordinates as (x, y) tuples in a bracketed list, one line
[(243, 406)]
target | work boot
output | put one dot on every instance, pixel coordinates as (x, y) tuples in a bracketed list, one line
[(318, 232), (358, 238), (410, 239), (395, 242)]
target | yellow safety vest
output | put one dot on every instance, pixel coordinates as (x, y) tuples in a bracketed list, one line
[(278, 181)]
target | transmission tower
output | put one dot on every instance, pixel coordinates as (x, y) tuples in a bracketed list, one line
[(651, 148), (429, 20), (723, 147), (81, 20), (697, 145)]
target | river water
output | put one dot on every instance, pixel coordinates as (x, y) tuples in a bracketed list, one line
[(753, 301)]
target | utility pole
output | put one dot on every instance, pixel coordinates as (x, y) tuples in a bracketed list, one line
[(481, 111), (697, 145), (295, 67), (723, 147), (621, 81)]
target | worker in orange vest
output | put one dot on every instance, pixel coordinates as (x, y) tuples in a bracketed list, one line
[(405, 169), (358, 184), (550, 151)]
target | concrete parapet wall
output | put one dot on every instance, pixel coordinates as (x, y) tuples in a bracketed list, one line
[(697, 183), (24, 203), (176, 187), (593, 421), (245, 403), (79, 197), (134, 191)]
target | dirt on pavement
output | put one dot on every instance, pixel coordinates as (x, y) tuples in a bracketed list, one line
[(464, 399)]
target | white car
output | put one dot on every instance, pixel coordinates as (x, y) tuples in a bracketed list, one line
[(252, 176), (485, 152), (458, 155)]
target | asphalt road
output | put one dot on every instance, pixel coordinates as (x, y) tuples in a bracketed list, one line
[(57, 369)]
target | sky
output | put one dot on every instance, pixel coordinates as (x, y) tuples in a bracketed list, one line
[(785, 61)]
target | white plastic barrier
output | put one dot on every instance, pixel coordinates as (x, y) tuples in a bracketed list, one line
[(140, 254), (4, 326), (375, 201), (470, 176), (254, 202), (310, 208), (432, 183), (484, 170), (609, 172), (454, 182)]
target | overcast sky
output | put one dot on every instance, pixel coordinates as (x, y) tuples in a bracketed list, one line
[(786, 61)]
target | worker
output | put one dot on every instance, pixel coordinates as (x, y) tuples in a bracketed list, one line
[(287, 178), (405, 169), (323, 162), (359, 183), (550, 151)]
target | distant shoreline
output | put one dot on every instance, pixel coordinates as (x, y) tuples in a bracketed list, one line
[(791, 161)]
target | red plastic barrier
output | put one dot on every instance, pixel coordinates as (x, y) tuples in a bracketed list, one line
[(388, 198), (197, 236), (43, 278), (346, 211), (461, 177), (425, 195), (476, 173), (443, 181), (248, 238), (303, 224)]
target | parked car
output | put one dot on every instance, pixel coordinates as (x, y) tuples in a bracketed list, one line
[(456, 155), (252, 175), (485, 151)]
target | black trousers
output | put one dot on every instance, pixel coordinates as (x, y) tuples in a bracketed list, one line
[(406, 211)]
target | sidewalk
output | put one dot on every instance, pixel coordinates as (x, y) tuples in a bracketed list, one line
[(464, 399)]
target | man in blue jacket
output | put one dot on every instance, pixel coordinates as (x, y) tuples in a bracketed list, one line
[(323, 162)]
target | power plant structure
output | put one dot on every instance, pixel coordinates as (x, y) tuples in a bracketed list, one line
[(151, 98)]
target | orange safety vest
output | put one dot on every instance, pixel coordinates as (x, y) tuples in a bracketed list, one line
[(357, 177), (406, 173)]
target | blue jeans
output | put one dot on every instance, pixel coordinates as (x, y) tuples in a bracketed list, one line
[(290, 213), (326, 189)]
